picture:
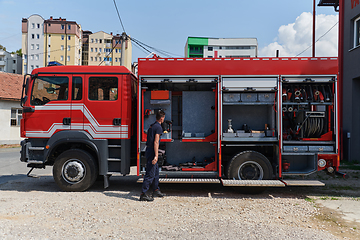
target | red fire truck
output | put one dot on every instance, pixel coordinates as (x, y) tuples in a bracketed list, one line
[(245, 122)]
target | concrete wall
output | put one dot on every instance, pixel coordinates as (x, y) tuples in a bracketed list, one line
[(351, 85), (8, 134)]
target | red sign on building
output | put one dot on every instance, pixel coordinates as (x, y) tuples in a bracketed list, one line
[(354, 3)]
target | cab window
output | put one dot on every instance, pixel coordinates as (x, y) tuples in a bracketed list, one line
[(103, 88), (46, 89)]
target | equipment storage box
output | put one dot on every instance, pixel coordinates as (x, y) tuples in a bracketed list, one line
[(295, 148), (266, 97), (249, 97), (321, 148), (231, 97)]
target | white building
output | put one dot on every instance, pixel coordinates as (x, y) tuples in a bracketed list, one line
[(10, 109), (200, 47), (10, 63), (32, 43)]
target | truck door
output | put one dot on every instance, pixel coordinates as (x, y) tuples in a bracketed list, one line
[(50, 102), (102, 108), (77, 102)]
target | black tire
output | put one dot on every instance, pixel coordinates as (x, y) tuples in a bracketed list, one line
[(250, 165), (75, 170)]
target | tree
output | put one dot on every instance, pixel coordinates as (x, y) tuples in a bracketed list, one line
[(18, 52), (2, 47)]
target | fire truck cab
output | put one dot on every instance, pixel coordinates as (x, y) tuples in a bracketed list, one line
[(245, 122)]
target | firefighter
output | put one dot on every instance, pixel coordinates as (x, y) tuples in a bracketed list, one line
[(152, 153)]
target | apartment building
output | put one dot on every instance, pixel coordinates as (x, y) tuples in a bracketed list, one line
[(200, 47), (32, 43), (104, 49), (10, 63), (44, 41)]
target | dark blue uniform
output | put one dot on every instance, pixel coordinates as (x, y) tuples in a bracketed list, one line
[(152, 170)]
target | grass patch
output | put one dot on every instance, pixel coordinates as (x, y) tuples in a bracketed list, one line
[(324, 198), (309, 200), (334, 198), (338, 188)]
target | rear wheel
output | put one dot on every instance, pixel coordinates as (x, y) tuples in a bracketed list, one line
[(250, 165), (75, 170)]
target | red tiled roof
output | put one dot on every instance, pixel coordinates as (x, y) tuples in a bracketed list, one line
[(10, 86)]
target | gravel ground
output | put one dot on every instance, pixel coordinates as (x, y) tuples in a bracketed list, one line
[(35, 208)]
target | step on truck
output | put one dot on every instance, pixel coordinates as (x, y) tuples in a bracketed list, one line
[(241, 122)]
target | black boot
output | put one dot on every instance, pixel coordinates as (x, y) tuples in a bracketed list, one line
[(145, 197), (157, 193)]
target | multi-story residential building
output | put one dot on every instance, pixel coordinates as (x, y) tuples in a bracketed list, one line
[(10, 63), (85, 47), (32, 43), (105, 49), (200, 47), (62, 41), (49, 40)]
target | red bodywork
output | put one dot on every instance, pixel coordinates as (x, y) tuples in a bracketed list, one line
[(222, 67), (94, 116)]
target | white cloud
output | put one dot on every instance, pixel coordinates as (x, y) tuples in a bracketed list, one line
[(295, 37)]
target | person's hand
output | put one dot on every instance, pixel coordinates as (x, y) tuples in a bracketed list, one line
[(154, 161)]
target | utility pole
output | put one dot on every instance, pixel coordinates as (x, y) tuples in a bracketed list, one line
[(123, 39), (313, 35)]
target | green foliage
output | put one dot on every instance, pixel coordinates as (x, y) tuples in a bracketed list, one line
[(2, 47)]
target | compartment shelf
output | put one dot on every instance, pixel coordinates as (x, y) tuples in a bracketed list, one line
[(249, 139), (247, 103)]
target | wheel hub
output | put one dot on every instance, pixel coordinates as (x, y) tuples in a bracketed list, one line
[(73, 171), (250, 171)]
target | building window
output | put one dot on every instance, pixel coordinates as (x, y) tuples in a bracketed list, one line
[(61, 58), (37, 57), (95, 49), (91, 59), (69, 27), (116, 51), (32, 67), (62, 26), (68, 48), (32, 46), (62, 37), (95, 59), (62, 47), (68, 58), (69, 37), (92, 40), (99, 49), (16, 115), (33, 25), (38, 25), (37, 46), (115, 59), (210, 48), (31, 57), (96, 41), (357, 32), (210, 56), (91, 49), (100, 40), (14, 61), (37, 66), (38, 36), (33, 36)]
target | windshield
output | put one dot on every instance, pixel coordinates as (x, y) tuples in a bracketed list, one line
[(46, 89)]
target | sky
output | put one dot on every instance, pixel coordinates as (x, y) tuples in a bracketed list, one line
[(284, 25)]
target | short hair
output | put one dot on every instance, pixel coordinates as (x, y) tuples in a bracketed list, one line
[(160, 114)]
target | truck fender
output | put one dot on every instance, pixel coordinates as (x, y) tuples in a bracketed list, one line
[(98, 146)]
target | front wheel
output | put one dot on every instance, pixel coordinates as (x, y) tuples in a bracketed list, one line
[(75, 170)]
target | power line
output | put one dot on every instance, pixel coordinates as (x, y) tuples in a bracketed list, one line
[(318, 38), (119, 16)]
